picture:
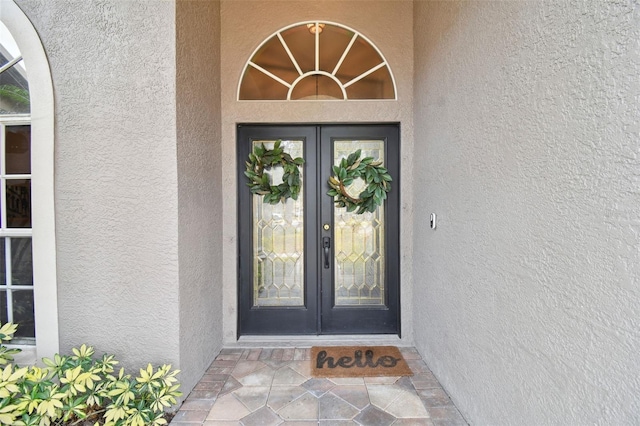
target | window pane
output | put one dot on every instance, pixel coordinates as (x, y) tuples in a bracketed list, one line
[(19, 203), (377, 85), (3, 264), (18, 149), (360, 59), (4, 318), (14, 91), (23, 313), (302, 45), (317, 87), (275, 59), (333, 42), (21, 261), (9, 46), (256, 85)]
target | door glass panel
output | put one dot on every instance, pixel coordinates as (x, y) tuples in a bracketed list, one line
[(278, 242), (359, 238)]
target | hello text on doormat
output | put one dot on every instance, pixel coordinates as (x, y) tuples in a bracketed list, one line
[(358, 361)]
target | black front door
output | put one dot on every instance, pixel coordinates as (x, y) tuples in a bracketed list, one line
[(307, 266)]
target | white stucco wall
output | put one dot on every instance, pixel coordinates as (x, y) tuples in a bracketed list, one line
[(527, 146), (113, 70), (245, 25), (199, 185)]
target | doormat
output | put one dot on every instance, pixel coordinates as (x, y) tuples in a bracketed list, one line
[(358, 361)]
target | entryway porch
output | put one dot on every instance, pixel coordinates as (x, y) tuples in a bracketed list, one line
[(273, 386)]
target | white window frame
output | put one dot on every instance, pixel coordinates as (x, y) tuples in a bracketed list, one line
[(42, 177), (5, 232)]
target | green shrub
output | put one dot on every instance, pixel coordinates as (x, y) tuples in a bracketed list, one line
[(81, 390), (6, 334)]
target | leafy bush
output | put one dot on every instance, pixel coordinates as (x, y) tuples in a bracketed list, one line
[(6, 334), (81, 390)]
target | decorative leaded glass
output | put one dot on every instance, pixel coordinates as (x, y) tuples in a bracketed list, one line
[(359, 239), (278, 242)]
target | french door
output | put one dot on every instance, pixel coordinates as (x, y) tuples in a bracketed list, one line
[(307, 266)]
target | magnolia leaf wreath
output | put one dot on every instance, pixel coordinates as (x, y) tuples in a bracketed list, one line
[(374, 175), (263, 159)]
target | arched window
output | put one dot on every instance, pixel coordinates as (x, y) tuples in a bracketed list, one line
[(317, 61), (28, 291)]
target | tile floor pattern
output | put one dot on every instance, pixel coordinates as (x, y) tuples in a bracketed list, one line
[(251, 387)]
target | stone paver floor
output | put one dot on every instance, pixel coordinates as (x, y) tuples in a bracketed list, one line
[(252, 387)]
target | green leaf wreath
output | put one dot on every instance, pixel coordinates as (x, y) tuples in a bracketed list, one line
[(263, 159), (375, 176)]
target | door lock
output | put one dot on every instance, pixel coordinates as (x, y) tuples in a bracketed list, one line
[(326, 227)]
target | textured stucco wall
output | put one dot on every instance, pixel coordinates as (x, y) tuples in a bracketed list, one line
[(199, 185), (113, 70), (245, 25), (527, 146)]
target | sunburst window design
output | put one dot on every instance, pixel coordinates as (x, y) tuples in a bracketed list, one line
[(317, 61)]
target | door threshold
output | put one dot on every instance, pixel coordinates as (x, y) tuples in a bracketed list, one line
[(327, 340)]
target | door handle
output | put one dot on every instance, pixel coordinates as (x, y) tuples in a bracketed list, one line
[(326, 245)]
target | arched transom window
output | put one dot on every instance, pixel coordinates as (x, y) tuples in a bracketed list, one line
[(317, 61)]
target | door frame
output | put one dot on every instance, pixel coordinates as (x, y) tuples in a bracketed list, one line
[(313, 190)]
